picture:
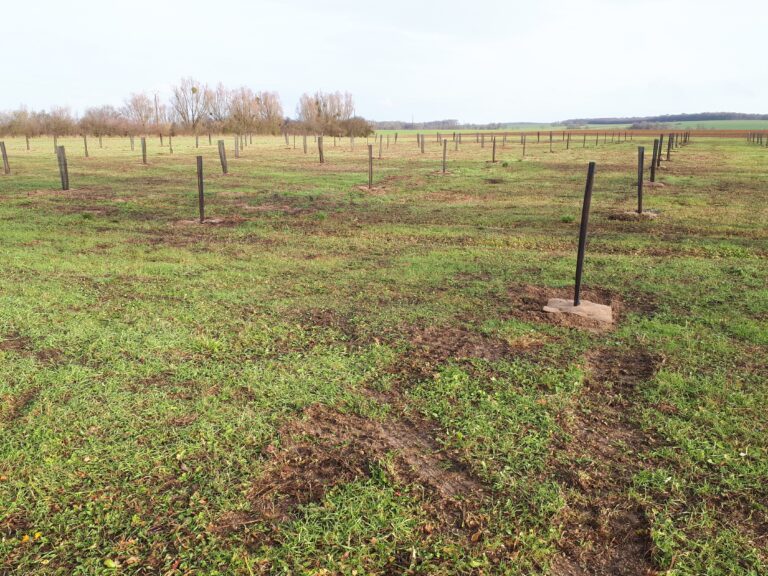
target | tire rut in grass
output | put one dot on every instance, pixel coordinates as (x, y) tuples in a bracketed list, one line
[(326, 448), (604, 531), (431, 347)]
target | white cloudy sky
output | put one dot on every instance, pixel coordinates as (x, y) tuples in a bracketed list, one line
[(473, 60)]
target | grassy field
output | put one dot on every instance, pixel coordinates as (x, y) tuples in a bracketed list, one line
[(326, 379)]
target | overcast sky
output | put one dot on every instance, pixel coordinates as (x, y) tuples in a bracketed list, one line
[(472, 60)]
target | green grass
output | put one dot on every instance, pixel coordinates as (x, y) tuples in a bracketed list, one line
[(148, 364)]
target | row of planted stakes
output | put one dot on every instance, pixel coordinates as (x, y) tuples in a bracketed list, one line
[(673, 141), (241, 141)]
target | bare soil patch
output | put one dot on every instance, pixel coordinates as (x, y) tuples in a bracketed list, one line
[(604, 531), (433, 346), (13, 406), (325, 448), (24, 346)]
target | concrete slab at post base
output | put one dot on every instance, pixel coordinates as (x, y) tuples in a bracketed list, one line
[(587, 309)]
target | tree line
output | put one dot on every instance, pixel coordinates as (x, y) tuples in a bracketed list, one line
[(654, 120), (195, 108)]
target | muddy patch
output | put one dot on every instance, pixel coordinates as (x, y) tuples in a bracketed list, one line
[(91, 209), (25, 347), (327, 318), (604, 531), (13, 406), (325, 448), (431, 347)]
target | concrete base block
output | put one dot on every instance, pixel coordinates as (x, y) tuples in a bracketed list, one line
[(587, 309)]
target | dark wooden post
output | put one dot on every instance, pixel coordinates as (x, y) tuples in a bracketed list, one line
[(482, 141), (669, 147), (170, 144), (493, 153), (100, 145), (550, 141), (63, 168), (583, 233), (640, 172), (237, 147), (422, 143), (197, 141), (584, 144), (200, 194), (143, 150), (597, 139), (304, 142), (538, 137), (320, 149), (395, 137), (653, 159), (210, 141), (4, 153), (525, 138), (381, 144), (445, 153), (568, 142), (55, 142), (223, 157), (661, 150), (370, 166), (85, 144), (26, 137), (161, 139)]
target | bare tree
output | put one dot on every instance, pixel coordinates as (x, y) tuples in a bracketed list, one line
[(189, 102), (60, 121), (243, 110), (326, 111), (139, 110), (102, 121), (270, 112)]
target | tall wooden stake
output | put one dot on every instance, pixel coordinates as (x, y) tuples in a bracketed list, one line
[(223, 157), (4, 153), (370, 166), (200, 193), (640, 175), (583, 232), (445, 152)]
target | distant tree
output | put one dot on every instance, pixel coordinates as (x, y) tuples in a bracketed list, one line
[(324, 112), (102, 121), (59, 122), (189, 102), (139, 110), (270, 112)]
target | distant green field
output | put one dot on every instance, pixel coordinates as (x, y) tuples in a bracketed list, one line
[(692, 125)]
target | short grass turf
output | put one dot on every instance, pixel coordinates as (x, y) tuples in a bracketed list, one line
[(327, 379)]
